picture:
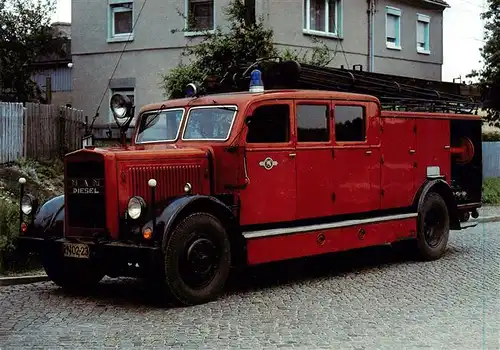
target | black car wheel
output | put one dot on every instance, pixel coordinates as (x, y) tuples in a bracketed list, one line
[(197, 259)]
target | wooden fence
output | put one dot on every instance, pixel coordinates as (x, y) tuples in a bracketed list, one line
[(38, 131), (11, 131)]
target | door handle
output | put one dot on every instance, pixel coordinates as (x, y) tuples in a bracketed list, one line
[(412, 151), (368, 152), (292, 155)]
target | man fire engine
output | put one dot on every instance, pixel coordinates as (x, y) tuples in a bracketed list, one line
[(211, 181)]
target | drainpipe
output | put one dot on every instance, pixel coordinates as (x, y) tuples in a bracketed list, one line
[(371, 35)]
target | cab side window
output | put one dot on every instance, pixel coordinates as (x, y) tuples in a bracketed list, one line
[(350, 123), (312, 123), (270, 124)]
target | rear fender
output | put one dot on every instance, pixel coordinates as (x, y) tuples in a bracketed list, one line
[(182, 207), (49, 218), (442, 188)]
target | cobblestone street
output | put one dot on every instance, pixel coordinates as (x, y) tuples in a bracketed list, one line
[(363, 300)]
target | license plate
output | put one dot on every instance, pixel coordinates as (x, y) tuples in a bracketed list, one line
[(73, 250)]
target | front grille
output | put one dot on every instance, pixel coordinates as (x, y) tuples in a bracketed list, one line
[(170, 178), (85, 197)]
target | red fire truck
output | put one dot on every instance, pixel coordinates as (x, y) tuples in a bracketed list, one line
[(216, 180)]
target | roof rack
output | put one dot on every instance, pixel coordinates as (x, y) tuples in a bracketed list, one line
[(394, 92)]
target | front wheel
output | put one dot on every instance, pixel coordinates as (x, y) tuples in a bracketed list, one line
[(197, 259), (69, 274)]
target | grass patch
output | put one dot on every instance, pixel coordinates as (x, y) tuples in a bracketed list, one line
[(491, 191)]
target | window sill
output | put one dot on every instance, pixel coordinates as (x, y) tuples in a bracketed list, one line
[(200, 33), (119, 39), (323, 34), (391, 46), (423, 52)]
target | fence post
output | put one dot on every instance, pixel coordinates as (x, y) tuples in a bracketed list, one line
[(62, 133)]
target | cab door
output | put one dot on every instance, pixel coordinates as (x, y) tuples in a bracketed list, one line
[(315, 161), (357, 159), (270, 195)]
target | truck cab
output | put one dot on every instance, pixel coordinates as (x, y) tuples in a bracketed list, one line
[(243, 178)]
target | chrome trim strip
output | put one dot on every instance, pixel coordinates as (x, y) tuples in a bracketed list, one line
[(347, 223)]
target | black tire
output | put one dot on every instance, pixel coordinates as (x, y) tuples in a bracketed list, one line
[(433, 228), (70, 274), (199, 242)]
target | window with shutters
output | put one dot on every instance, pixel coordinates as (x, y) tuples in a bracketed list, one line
[(200, 15), (423, 42), (393, 28)]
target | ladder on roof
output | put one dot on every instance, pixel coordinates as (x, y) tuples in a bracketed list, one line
[(394, 92)]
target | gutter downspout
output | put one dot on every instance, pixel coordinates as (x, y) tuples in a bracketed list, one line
[(371, 35)]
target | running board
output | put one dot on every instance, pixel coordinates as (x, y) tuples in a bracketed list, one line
[(333, 225)]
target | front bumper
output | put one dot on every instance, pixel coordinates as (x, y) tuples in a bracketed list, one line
[(112, 256)]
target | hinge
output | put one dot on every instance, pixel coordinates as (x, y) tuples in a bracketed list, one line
[(382, 192), (382, 160), (333, 196), (333, 152), (414, 129)]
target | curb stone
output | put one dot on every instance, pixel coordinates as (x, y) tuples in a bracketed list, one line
[(9, 281)]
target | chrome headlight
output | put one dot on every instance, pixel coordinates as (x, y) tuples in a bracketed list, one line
[(136, 207), (28, 204)]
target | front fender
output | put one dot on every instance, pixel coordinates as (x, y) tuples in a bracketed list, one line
[(183, 206), (49, 218)]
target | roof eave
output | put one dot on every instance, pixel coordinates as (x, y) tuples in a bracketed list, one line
[(438, 3)]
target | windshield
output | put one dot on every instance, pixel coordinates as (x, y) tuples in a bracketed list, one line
[(163, 126), (209, 123)]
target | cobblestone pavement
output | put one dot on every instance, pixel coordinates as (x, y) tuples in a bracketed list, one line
[(364, 300)]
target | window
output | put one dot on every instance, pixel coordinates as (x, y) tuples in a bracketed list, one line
[(162, 126), (129, 92), (312, 123), (393, 28), (423, 34), (349, 123), (323, 17), (121, 20), (209, 123), (200, 15), (270, 124)]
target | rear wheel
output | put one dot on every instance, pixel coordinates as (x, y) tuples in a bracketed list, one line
[(197, 259), (433, 227)]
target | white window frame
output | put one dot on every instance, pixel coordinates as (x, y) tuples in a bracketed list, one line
[(389, 10), (124, 91), (339, 14), (112, 37), (427, 44), (197, 32), (188, 115)]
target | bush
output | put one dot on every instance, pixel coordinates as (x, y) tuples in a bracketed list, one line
[(491, 191), (491, 136), (9, 219)]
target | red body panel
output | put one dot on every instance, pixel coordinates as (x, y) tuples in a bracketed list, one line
[(398, 146), (276, 248)]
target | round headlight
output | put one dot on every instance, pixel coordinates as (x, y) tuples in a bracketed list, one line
[(135, 207), (188, 187), (120, 106), (27, 204)]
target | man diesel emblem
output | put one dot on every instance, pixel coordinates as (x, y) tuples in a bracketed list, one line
[(268, 163)]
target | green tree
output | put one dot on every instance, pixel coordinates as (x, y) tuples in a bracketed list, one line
[(489, 75), (25, 35), (243, 41)]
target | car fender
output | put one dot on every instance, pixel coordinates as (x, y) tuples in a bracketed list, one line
[(49, 218), (183, 206), (443, 188)]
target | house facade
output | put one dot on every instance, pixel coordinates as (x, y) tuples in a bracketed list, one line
[(139, 40)]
